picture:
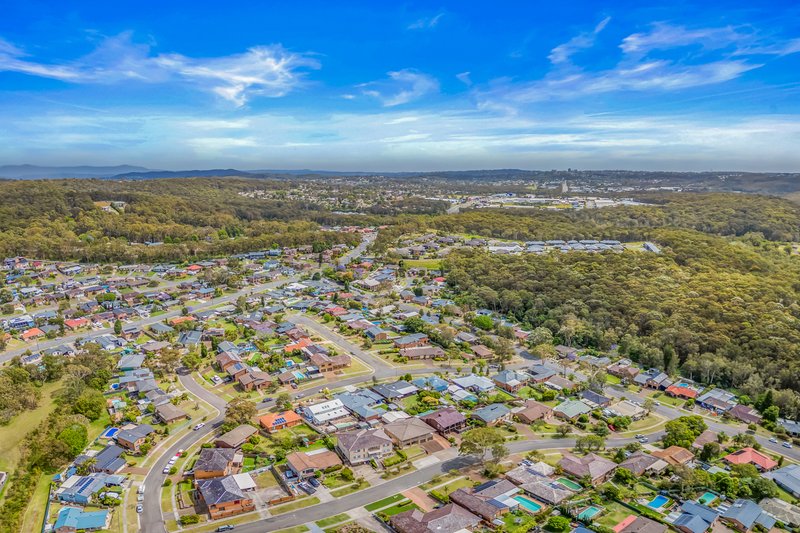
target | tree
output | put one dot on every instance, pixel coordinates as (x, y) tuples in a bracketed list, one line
[(480, 441), (483, 322), (563, 430), (683, 431), (117, 327), (710, 451), (558, 524), (624, 476), (771, 413), (76, 437), (91, 404), (191, 361), (284, 400), (238, 411), (590, 443)]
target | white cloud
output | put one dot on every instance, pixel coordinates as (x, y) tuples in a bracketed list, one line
[(270, 71), (426, 23), (402, 87), (464, 77), (564, 52)]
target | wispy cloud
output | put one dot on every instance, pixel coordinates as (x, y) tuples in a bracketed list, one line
[(270, 71), (651, 61), (402, 87), (564, 52), (426, 23), (464, 77)]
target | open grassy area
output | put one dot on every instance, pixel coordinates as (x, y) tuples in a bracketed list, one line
[(384, 502), (295, 529), (344, 491), (518, 522), (455, 485), (293, 506), (12, 434), (34, 514), (325, 522), (614, 514), (400, 508), (435, 264)]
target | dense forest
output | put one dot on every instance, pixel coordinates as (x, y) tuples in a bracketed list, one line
[(720, 312), (191, 217)]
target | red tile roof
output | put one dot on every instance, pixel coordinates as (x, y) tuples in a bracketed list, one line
[(751, 456)]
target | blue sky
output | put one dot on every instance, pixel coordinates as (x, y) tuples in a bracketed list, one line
[(401, 86)]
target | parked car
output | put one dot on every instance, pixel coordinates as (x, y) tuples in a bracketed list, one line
[(166, 470), (314, 481), (226, 527), (139, 508)]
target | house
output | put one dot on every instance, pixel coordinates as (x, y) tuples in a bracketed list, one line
[(492, 414), (541, 373), (596, 467), (224, 497), (510, 381), (629, 409), (704, 438), (410, 341), (447, 420), (783, 511), (681, 390), (639, 524), (306, 464), (422, 352), (131, 439), (640, 463), (792, 427), (753, 457), (31, 334), (533, 411), (571, 409), (433, 383), (237, 370), (130, 362), (745, 413), (547, 491), (623, 370), (169, 413), (363, 445), (744, 515), (217, 462), (675, 455), (474, 383), (79, 489), (450, 518), (325, 412), (695, 518), (488, 509), (530, 473), (109, 460), (409, 431), (594, 399), (482, 351), (276, 421), (254, 380), (362, 403), (376, 334), (559, 383), (717, 400), (395, 391), (787, 478), (235, 437), (72, 519)]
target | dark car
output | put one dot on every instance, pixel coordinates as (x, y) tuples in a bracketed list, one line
[(226, 527), (307, 488), (314, 481)]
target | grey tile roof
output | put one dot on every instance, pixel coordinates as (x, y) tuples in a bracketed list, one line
[(220, 490), (214, 459)]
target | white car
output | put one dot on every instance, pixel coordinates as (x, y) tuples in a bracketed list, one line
[(773, 440), (786, 444), (139, 508), (166, 470), (199, 426)]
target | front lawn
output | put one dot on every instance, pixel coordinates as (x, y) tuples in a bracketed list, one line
[(297, 504), (355, 487), (374, 506), (325, 522)]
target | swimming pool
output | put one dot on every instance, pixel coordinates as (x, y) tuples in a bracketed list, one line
[(707, 498), (571, 485), (529, 505), (109, 433), (658, 502), (589, 513)]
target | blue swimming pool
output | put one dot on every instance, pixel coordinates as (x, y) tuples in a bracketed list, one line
[(109, 433), (528, 504), (707, 498), (589, 513), (658, 502)]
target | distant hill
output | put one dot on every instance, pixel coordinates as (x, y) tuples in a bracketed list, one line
[(32, 172), (158, 174)]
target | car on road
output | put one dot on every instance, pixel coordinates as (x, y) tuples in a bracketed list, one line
[(773, 440), (140, 498), (786, 445), (199, 426), (166, 470), (638, 436), (139, 508), (226, 527), (643, 440)]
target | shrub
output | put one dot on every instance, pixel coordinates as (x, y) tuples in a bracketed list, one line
[(439, 496), (188, 519)]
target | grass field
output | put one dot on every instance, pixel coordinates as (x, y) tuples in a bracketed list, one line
[(384, 502), (34, 514), (298, 504), (325, 522), (435, 264), (12, 434), (338, 493)]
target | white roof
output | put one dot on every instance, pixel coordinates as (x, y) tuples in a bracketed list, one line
[(244, 481), (330, 405), (394, 416)]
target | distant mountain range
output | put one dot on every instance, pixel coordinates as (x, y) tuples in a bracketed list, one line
[(32, 172)]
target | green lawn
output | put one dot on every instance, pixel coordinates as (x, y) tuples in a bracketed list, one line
[(12, 434), (455, 485), (400, 508), (295, 529), (34, 514), (435, 264), (518, 522), (325, 522), (298, 504), (613, 515), (374, 506), (338, 493)]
